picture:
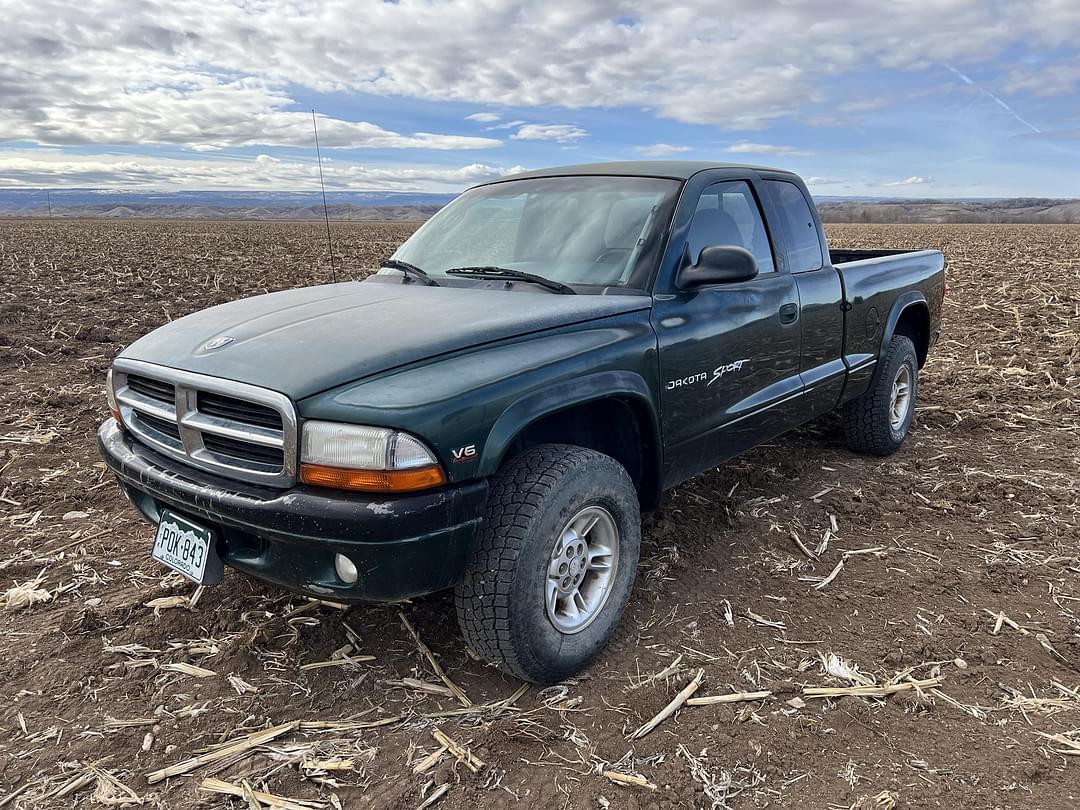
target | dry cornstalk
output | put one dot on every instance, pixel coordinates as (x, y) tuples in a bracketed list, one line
[(436, 794), (463, 755), (1071, 749), (349, 725), (238, 746), (25, 595), (248, 793), (1000, 618), (167, 603), (666, 672), (189, 669), (76, 782), (428, 762), (876, 550), (330, 764), (832, 575), (212, 785), (631, 779), (111, 791), (19, 791), (734, 697), (338, 662), (462, 698), (803, 548), (672, 707), (417, 685), (868, 691)]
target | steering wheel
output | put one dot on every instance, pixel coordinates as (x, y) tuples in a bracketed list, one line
[(615, 253)]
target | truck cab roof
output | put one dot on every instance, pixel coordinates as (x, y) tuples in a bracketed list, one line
[(673, 169)]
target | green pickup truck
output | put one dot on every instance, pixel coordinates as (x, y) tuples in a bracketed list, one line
[(493, 408)]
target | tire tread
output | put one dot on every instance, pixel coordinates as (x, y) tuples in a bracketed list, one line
[(483, 596), (866, 418)]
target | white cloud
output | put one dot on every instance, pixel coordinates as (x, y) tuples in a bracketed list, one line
[(39, 168), (207, 75), (863, 105), (509, 124), (561, 133), (750, 148), (197, 111), (662, 149), (914, 180), (823, 181), (1057, 79), (119, 72)]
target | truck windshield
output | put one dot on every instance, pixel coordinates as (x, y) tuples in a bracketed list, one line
[(588, 230)]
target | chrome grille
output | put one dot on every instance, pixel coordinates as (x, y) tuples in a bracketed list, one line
[(239, 410), (153, 389), (225, 427)]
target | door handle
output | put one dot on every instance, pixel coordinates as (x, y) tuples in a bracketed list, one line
[(789, 313)]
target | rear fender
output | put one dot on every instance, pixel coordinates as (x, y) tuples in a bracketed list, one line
[(912, 298)]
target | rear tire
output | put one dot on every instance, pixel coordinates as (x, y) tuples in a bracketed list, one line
[(554, 562), (878, 421)]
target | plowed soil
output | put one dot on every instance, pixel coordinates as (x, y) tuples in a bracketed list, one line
[(960, 561)]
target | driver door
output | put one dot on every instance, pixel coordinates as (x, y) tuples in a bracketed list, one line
[(729, 353)]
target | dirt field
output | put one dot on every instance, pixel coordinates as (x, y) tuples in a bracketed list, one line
[(954, 563)]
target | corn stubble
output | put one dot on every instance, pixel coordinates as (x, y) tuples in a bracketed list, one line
[(810, 627)]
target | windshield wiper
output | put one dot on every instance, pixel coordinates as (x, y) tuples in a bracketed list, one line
[(517, 275), (411, 271)]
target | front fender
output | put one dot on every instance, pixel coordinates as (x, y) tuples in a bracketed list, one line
[(560, 396), (461, 404)]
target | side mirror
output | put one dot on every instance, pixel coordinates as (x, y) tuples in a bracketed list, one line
[(718, 264)]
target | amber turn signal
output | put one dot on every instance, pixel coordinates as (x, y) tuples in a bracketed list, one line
[(110, 395), (320, 475)]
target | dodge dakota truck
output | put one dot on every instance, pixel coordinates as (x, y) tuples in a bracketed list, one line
[(494, 407)]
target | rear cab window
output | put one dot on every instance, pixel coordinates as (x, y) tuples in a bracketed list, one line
[(802, 244)]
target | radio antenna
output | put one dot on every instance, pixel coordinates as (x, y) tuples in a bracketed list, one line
[(326, 211)]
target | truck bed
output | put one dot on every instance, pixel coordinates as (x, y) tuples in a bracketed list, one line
[(848, 255), (877, 284)]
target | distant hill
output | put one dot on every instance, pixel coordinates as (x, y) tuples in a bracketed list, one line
[(1016, 210), (417, 206), (394, 213), (343, 205)]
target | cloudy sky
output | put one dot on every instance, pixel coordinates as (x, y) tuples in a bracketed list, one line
[(879, 97)]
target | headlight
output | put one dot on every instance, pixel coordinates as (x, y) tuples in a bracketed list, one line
[(369, 459), (114, 409)]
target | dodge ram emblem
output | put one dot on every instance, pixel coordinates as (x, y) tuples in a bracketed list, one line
[(217, 343)]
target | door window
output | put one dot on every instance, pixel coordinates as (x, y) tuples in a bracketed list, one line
[(803, 244), (728, 214)]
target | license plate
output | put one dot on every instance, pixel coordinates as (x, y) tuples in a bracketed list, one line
[(183, 546)]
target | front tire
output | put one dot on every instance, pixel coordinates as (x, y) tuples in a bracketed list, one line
[(878, 421), (554, 562)]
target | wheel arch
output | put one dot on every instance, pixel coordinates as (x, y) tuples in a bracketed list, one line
[(910, 317), (610, 412)]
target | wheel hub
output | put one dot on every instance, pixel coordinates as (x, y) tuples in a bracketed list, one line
[(900, 398), (581, 570)]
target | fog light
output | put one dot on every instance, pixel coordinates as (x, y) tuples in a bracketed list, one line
[(346, 569)]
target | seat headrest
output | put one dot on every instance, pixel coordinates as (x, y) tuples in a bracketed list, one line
[(711, 226)]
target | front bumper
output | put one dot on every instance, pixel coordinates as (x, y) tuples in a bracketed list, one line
[(402, 546)]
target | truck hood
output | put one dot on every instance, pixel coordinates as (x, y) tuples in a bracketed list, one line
[(303, 341)]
